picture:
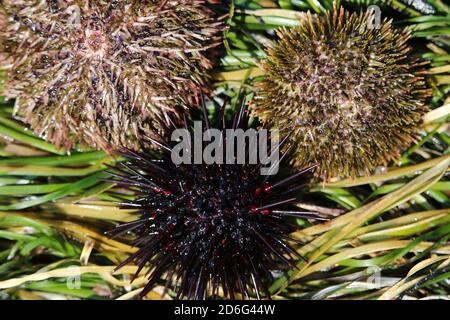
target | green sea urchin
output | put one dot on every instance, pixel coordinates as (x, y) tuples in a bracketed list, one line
[(97, 73), (347, 91)]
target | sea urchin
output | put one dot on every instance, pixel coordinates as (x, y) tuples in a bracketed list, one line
[(209, 230), (98, 73), (347, 91)]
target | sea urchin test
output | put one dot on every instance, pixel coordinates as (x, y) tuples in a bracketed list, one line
[(347, 92), (103, 74)]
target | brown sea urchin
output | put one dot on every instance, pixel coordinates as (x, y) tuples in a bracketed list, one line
[(347, 91), (98, 73)]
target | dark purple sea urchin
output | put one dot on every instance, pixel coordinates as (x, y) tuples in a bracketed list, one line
[(98, 73), (207, 230), (347, 91)]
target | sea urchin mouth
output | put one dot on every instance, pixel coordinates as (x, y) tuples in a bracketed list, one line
[(209, 230), (349, 93)]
